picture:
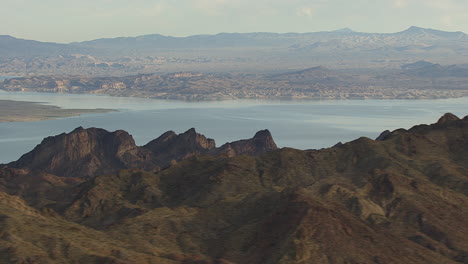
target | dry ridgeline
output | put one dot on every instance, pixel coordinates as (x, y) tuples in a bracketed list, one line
[(93, 196)]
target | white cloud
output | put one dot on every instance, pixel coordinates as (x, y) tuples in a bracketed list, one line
[(400, 3), (442, 4), (153, 10), (211, 7), (305, 11), (447, 20)]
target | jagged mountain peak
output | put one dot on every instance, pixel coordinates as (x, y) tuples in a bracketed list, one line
[(78, 129), (261, 142), (88, 152), (448, 117), (344, 30), (263, 134), (264, 141), (414, 29), (188, 142), (444, 122), (191, 131)]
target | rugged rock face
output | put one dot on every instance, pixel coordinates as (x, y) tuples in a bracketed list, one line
[(383, 135), (403, 199), (172, 147), (262, 142), (448, 117), (81, 153), (91, 152)]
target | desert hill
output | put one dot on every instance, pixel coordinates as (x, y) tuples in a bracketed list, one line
[(433, 70)]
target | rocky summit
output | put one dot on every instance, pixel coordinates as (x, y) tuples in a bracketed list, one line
[(90, 152), (93, 196)]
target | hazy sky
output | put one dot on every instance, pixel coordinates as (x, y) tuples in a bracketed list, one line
[(77, 20)]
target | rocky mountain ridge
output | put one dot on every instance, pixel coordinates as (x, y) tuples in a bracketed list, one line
[(95, 151), (399, 199)]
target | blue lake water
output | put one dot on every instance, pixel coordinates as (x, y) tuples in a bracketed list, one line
[(297, 124)]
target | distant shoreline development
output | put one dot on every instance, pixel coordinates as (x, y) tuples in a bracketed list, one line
[(420, 80)]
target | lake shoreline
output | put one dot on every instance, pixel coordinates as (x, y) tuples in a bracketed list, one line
[(300, 124), (24, 111), (432, 95)]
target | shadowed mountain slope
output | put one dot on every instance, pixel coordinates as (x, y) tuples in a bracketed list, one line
[(402, 199)]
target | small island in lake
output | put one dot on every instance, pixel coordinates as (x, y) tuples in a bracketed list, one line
[(20, 111)]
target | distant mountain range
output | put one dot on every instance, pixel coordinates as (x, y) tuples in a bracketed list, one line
[(11, 46), (14, 47), (343, 48)]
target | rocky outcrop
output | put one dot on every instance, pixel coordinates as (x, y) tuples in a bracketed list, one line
[(262, 142), (448, 117), (383, 135), (93, 151), (172, 147), (82, 153)]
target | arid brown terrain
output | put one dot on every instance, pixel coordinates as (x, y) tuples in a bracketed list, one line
[(93, 196), (420, 80)]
